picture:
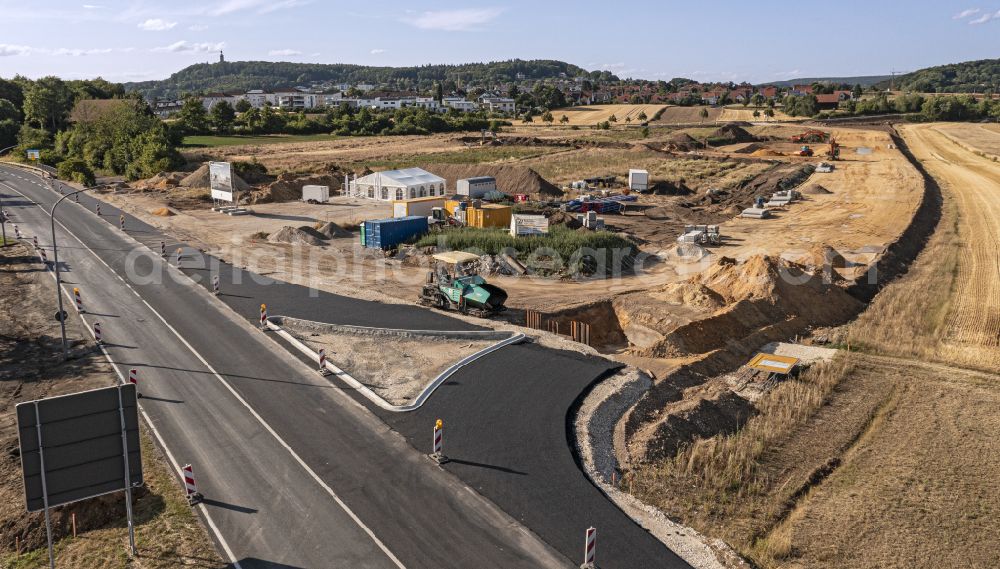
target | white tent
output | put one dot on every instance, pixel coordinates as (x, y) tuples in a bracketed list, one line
[(404, 184)]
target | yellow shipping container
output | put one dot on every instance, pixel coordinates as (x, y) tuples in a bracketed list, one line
[(451, 206), (489, 216)]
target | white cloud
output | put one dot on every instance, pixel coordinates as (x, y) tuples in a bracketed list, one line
[(184, 46), (455, 20), (284, 52), (92, 7), (965, 13), (8, 50), (985, 18), (156, 25), (76, 52), (198, 28), (378, 51), (258, 6)]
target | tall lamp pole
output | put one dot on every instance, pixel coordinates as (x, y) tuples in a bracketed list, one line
[(55, 263)]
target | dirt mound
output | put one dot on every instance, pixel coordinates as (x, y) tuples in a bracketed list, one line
[(816, 190), (765, 152), (201, 178), (683, 142), (731, 133), (288, 187), (666, 187), (510, 179), (689, 294), (749, 148), (163, 212), (333, 231), (821, 257), (301, 235), (564, 218), (161, 181)]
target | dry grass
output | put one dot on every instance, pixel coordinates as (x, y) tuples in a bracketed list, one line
[(593, 114), (732, 114)]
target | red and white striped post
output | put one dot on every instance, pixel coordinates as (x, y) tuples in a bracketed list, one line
[(193, 495), (180, 251), (78, 300), (215, 285), (97, 332), (34, 241), (133, 376), (438, 454), (17, 232), (45, 258), (98, 210), (121, 221), (322, 362), (589, 549), (263, 317), (163, 249)]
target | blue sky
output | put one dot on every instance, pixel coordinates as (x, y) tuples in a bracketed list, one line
[(125, 40)]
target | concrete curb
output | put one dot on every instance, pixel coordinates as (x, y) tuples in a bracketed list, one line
[(398, 332), (509, 338)]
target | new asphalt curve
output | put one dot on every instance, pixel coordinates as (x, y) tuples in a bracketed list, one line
[(508, 416)]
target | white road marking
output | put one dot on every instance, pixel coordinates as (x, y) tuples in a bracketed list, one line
[(239, 398)]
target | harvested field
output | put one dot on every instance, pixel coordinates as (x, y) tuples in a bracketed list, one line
[(593, 114), (730, 114), (981, 138), (168, 533), (688, 115)]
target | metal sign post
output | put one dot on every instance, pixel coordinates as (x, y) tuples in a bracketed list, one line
[(128, 485), (45, 489)]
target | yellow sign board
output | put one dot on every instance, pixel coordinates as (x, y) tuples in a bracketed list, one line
[(773, 363)]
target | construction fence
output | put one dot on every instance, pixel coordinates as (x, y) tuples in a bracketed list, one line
[(578, 331)]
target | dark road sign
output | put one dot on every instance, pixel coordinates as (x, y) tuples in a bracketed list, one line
[(61, 315), (81, 445)]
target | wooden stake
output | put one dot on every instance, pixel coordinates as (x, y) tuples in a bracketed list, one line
[(17, 545), (72, 518), (631, 478)]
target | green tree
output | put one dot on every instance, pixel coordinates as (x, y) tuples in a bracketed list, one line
[(193, 116), (8, 111), (77, 170), (8, 133), (757, 99), (703, 113), (222, 116), (563, 119), (547, 117), (756, 114), (642, 116), (613, 118), (769, 112), (645, 132), (242, 106), (47, 103), (12, 91), (857, 91), (439, 92), (628, 119), (528, 117)]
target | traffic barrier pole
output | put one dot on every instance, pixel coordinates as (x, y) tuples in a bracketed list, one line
[(121, 221), (193, 496), (133, 378), (589, 549), (179, 252), (438, 454), (79, 301), (34, 241), (76, 198), (263, 317), (322, 362), (45, 258), (98, 210), (163, 249), (97, 332), (17, 232), (215, 285)]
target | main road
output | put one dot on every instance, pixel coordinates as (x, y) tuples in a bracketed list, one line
[(296, 470)]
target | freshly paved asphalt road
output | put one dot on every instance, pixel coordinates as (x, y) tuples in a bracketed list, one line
[(507, 416)]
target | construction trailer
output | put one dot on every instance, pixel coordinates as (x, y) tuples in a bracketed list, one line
[(487, 216), (638, 180), (314, 193), (476, 187), (416, 206), (522, 224)]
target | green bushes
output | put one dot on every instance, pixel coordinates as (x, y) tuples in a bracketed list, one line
[(77, 170), (562, 250)]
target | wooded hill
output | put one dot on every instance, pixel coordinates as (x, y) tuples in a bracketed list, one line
[(243, 75), (966, 77)]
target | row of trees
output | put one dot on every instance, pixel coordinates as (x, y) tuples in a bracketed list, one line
[(122, 137), (342, 120)]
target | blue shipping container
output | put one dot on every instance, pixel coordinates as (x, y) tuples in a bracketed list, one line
[(388, 233)]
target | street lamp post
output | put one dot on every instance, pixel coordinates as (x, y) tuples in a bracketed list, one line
[(55, 263)]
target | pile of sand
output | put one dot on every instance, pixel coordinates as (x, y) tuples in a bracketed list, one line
[(689, 294), (333, 231), (564, 218), (201, 178), (161, 181), (816, 189), (765, 152), (749, 148), (731, 134), (163, 212), (298, 235), (682, 141), (510, 179), (288, 187), (822, 256)]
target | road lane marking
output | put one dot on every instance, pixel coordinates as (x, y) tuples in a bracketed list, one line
[(354, 517)]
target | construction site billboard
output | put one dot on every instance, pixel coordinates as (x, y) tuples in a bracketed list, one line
[(221, 180)]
